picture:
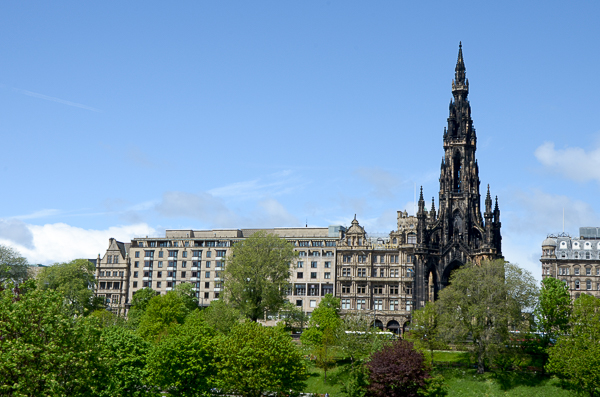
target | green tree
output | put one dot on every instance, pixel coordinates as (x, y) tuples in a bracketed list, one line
[(124, 354), (553, 312), (576, 357), (293, 317), (75, 281), (257, 274), (357, 338), (481, 302), (44, 349), (424, 329), (183, 364), (139, 303), (325, 316), (13, 267), (161, 312), (187, 294), (254, 359), (221, 317)]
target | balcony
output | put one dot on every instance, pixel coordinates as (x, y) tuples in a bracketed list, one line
[(218, 279), (147, 279), (195, 279), (171, 268), (148, 268), (217, 289), (196, 258), (195, 268), (171, 278), (169, 289)]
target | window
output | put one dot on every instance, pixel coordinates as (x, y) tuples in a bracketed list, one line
[(109, 259), (183, 264), (588, 284), (209, 254), (170, 284), (378, 304), (299, 302), (149, 254), (101, 274), (326, 289), (313, 275), (300, 264), (408, 288), (378, 289), (135, 284), (394, 258), (330, 243), (135, 274), (598, 271), (588, 271), (327, 275), (197, 254), (300, 289), (114, 274), (206, 295), (187, 244), (409, 272), (184, 254), (148, 263), (302, 253), (393, 290), (147, 274), (346, 304), (220, 253), (151, 243), (393, 272), (362, 259), (121, 274), (159, 263), (302, 243), (116, 259), (408, 305), (346, 258), (313, 265), (300, 275), (102, 284), (576, 284), (159, 274), (361, 304), (207, 264), (394, 305), (345, 272), (172, 263), (207, 275), (412, 238), (145, 284), (317, 243), (136, 264), (381, 272), (116, 285), (587, 255), (345, 288), (327, 265), (361, 289), (315, 253), (140, 243), (158, 284), (160, 254), (577, 271), (137, 254), (182, 274), (173, 254), (313, 303)]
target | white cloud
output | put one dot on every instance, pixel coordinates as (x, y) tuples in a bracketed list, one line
[(573, 162), (38, 214), (271, 213), (60, 242), (383, 182)]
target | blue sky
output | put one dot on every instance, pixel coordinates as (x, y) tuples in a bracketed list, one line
[(120, 120)]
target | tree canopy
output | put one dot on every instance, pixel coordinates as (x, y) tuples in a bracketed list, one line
[(13, 267), (161, 312), (257, 274)]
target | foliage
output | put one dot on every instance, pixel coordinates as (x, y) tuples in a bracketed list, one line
[(183, 363), (106, 318), (161, 312), (357, 383), (399, 370), (324, 352), (124, 356), (293, 317), (256, 275), (187, 295), (74, 281), (139, 303), (424, 329), (481, 302), (44, 349), (13, 267), (220, 316), (357, 338), (576, 357), (325, 316), (254, 359)]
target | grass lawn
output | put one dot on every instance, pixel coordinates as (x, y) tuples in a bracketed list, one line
[(316, 381)]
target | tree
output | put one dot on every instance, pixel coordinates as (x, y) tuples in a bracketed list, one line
[(357, 338), (187, 294), (124, 354), (424, 329), (139, 303), (220, 316), (576, 357), (13, 267), (325, 316), (257, 274), (254, 359), (161, 312), (293, 317), (44, 349), (481, 302), (398, 370), (183, 364), (553, 312), (75, 281)]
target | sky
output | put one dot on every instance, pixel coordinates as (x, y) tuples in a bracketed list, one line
[(123, 119)]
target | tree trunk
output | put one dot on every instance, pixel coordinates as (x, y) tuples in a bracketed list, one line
[(325, 372), (480, 363)]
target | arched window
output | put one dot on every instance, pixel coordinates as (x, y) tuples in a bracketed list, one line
[(412, 238), (395, 241), (576, 284), (457, 172)]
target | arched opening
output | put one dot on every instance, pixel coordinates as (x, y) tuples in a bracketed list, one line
[(448, 272), (378, 324), (457, 169), (393, 326)]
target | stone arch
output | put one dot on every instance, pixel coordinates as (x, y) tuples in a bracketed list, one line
[(393, 326), (445, 279), (378, 324)]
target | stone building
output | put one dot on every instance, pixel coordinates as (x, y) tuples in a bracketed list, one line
[(576, 261)]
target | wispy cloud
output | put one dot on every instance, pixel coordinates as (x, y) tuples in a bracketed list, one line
[(276, 184), (38, 214), (574, 163), (54, 99)]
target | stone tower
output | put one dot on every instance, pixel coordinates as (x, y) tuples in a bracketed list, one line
[(457, 233)]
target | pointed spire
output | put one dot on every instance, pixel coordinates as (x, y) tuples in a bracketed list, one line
[(421, 196), (496, 212), (488, 203), (432, 212), (460, 66)]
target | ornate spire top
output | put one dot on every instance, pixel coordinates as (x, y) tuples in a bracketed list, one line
[(421, 196), (460, 83), (488, 202), (496, 208)]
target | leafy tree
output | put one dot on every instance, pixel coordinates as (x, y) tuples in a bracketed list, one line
[(161, 312), (187, 295), (44, 349), (256, 275), (183, 364), (399, 370), (481, 302), (424, 329), (325, 316), (221, 317), (106, 318), (124, 356), (13, 267), (576, 357), (75, 281), (293, 317), (139, 303), (553, 312), (324, 352), (357, 338), (254, 359)]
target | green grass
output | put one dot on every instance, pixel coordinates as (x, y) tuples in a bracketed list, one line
[(316, 381), (448, 356)]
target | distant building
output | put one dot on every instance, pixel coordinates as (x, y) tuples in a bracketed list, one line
[(575, 261)]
